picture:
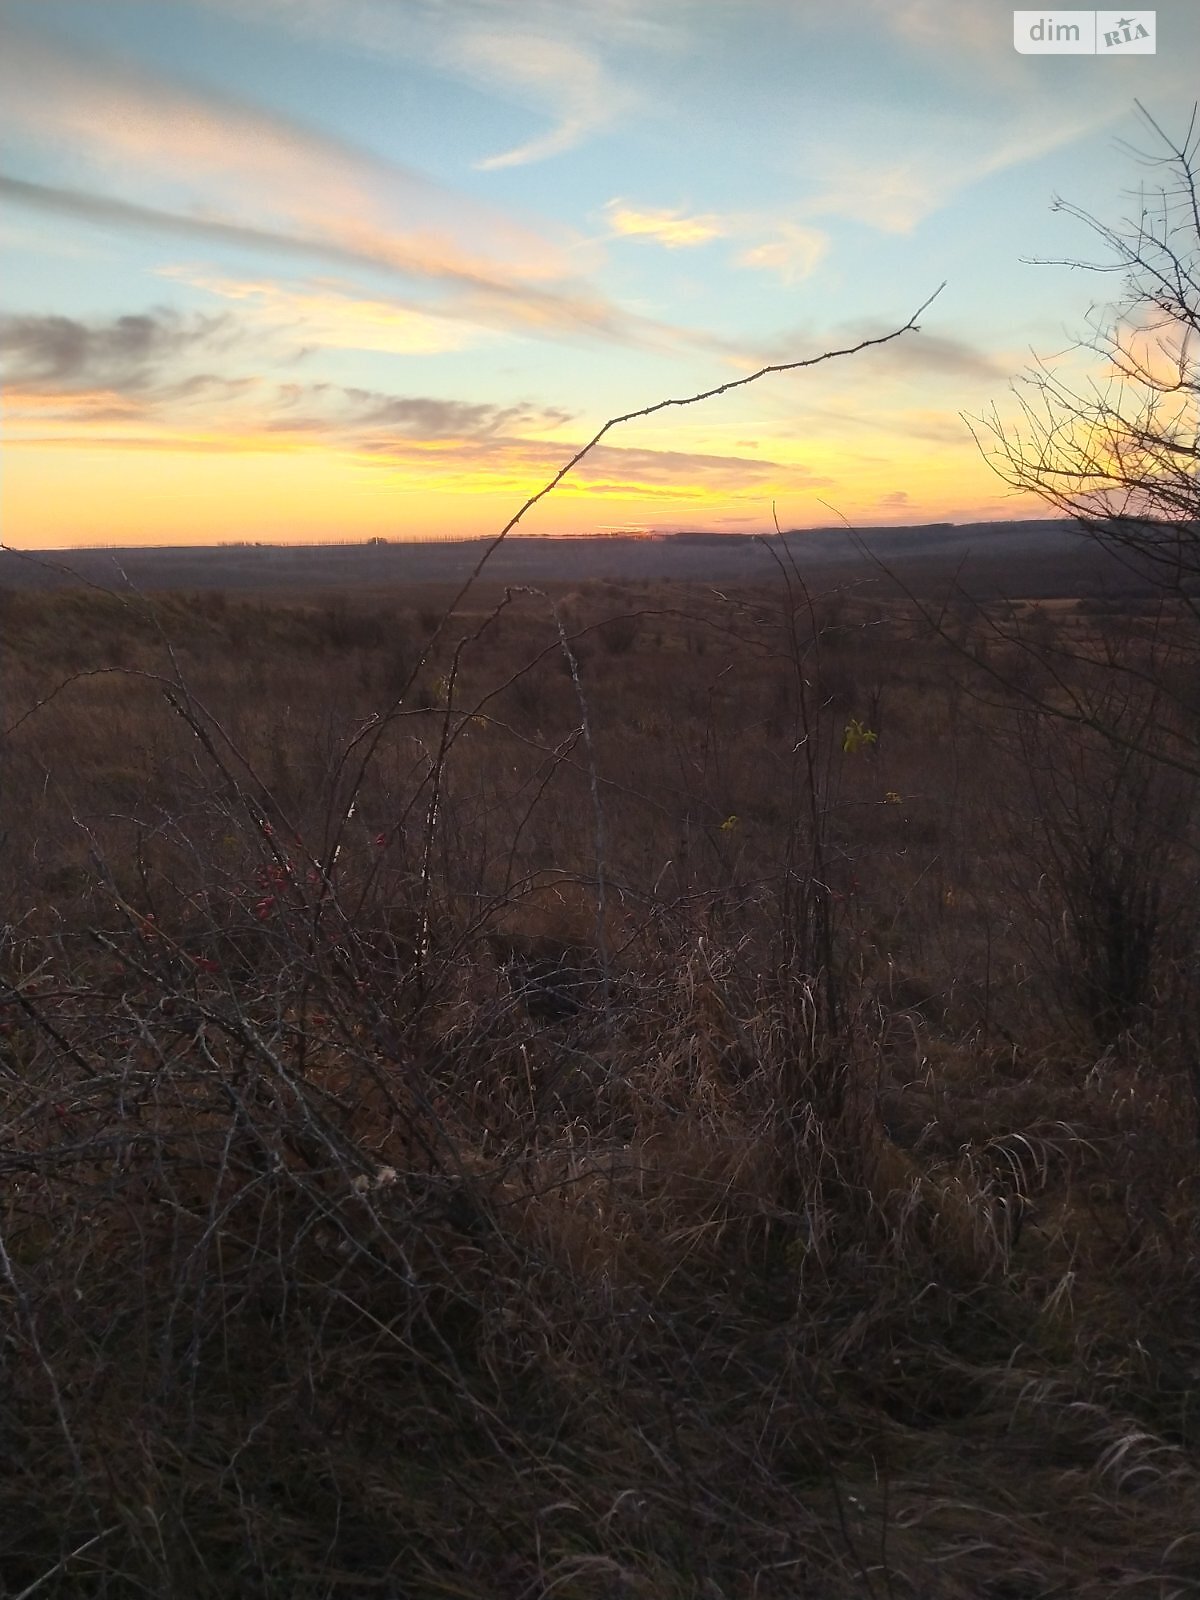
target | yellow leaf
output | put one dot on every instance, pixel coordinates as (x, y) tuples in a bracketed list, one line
[(856, 737)]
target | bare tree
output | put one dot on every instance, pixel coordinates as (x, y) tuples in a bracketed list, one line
[(1120, 450), (1109, 434)]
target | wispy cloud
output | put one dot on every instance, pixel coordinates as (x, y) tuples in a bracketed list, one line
[(199, 158), (209, 168), (977, 27), (933, 353), (466, 455), (127, 122), (328, 314), (706, 470), (557, 74), (944, 156), (608, 470), (62, 355), (193, 140), (674, 229), (123, 384), (154, 369), (923, 352), (893, 197), (791, 250), (552, 60), (480, 296), (793, 254), (385, 28), (372, 417)]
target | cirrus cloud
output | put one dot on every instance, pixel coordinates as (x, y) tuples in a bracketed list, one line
[(793, 254), (558, 73), (674, 229), (329, 314)]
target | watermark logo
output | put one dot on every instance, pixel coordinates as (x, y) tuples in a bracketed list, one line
[(1084, 33), (1118, 33), (1055, 33)]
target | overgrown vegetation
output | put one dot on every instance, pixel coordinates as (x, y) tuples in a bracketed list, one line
[(623, 1093), (633, 1136)]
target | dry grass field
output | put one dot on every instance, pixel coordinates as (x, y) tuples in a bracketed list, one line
[(629, 1090)]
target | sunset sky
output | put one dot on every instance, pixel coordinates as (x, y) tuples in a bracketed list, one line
[(326, 269)]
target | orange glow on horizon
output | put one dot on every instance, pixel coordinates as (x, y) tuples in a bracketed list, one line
[(203, 488)]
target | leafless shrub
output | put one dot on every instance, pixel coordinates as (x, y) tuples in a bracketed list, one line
[(1114, 841)]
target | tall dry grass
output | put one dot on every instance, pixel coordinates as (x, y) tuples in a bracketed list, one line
[(614, 1141)]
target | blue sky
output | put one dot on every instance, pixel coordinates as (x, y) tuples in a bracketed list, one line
[(339, 268)]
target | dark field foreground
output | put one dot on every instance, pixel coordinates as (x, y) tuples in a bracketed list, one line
[(656, 1093)]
